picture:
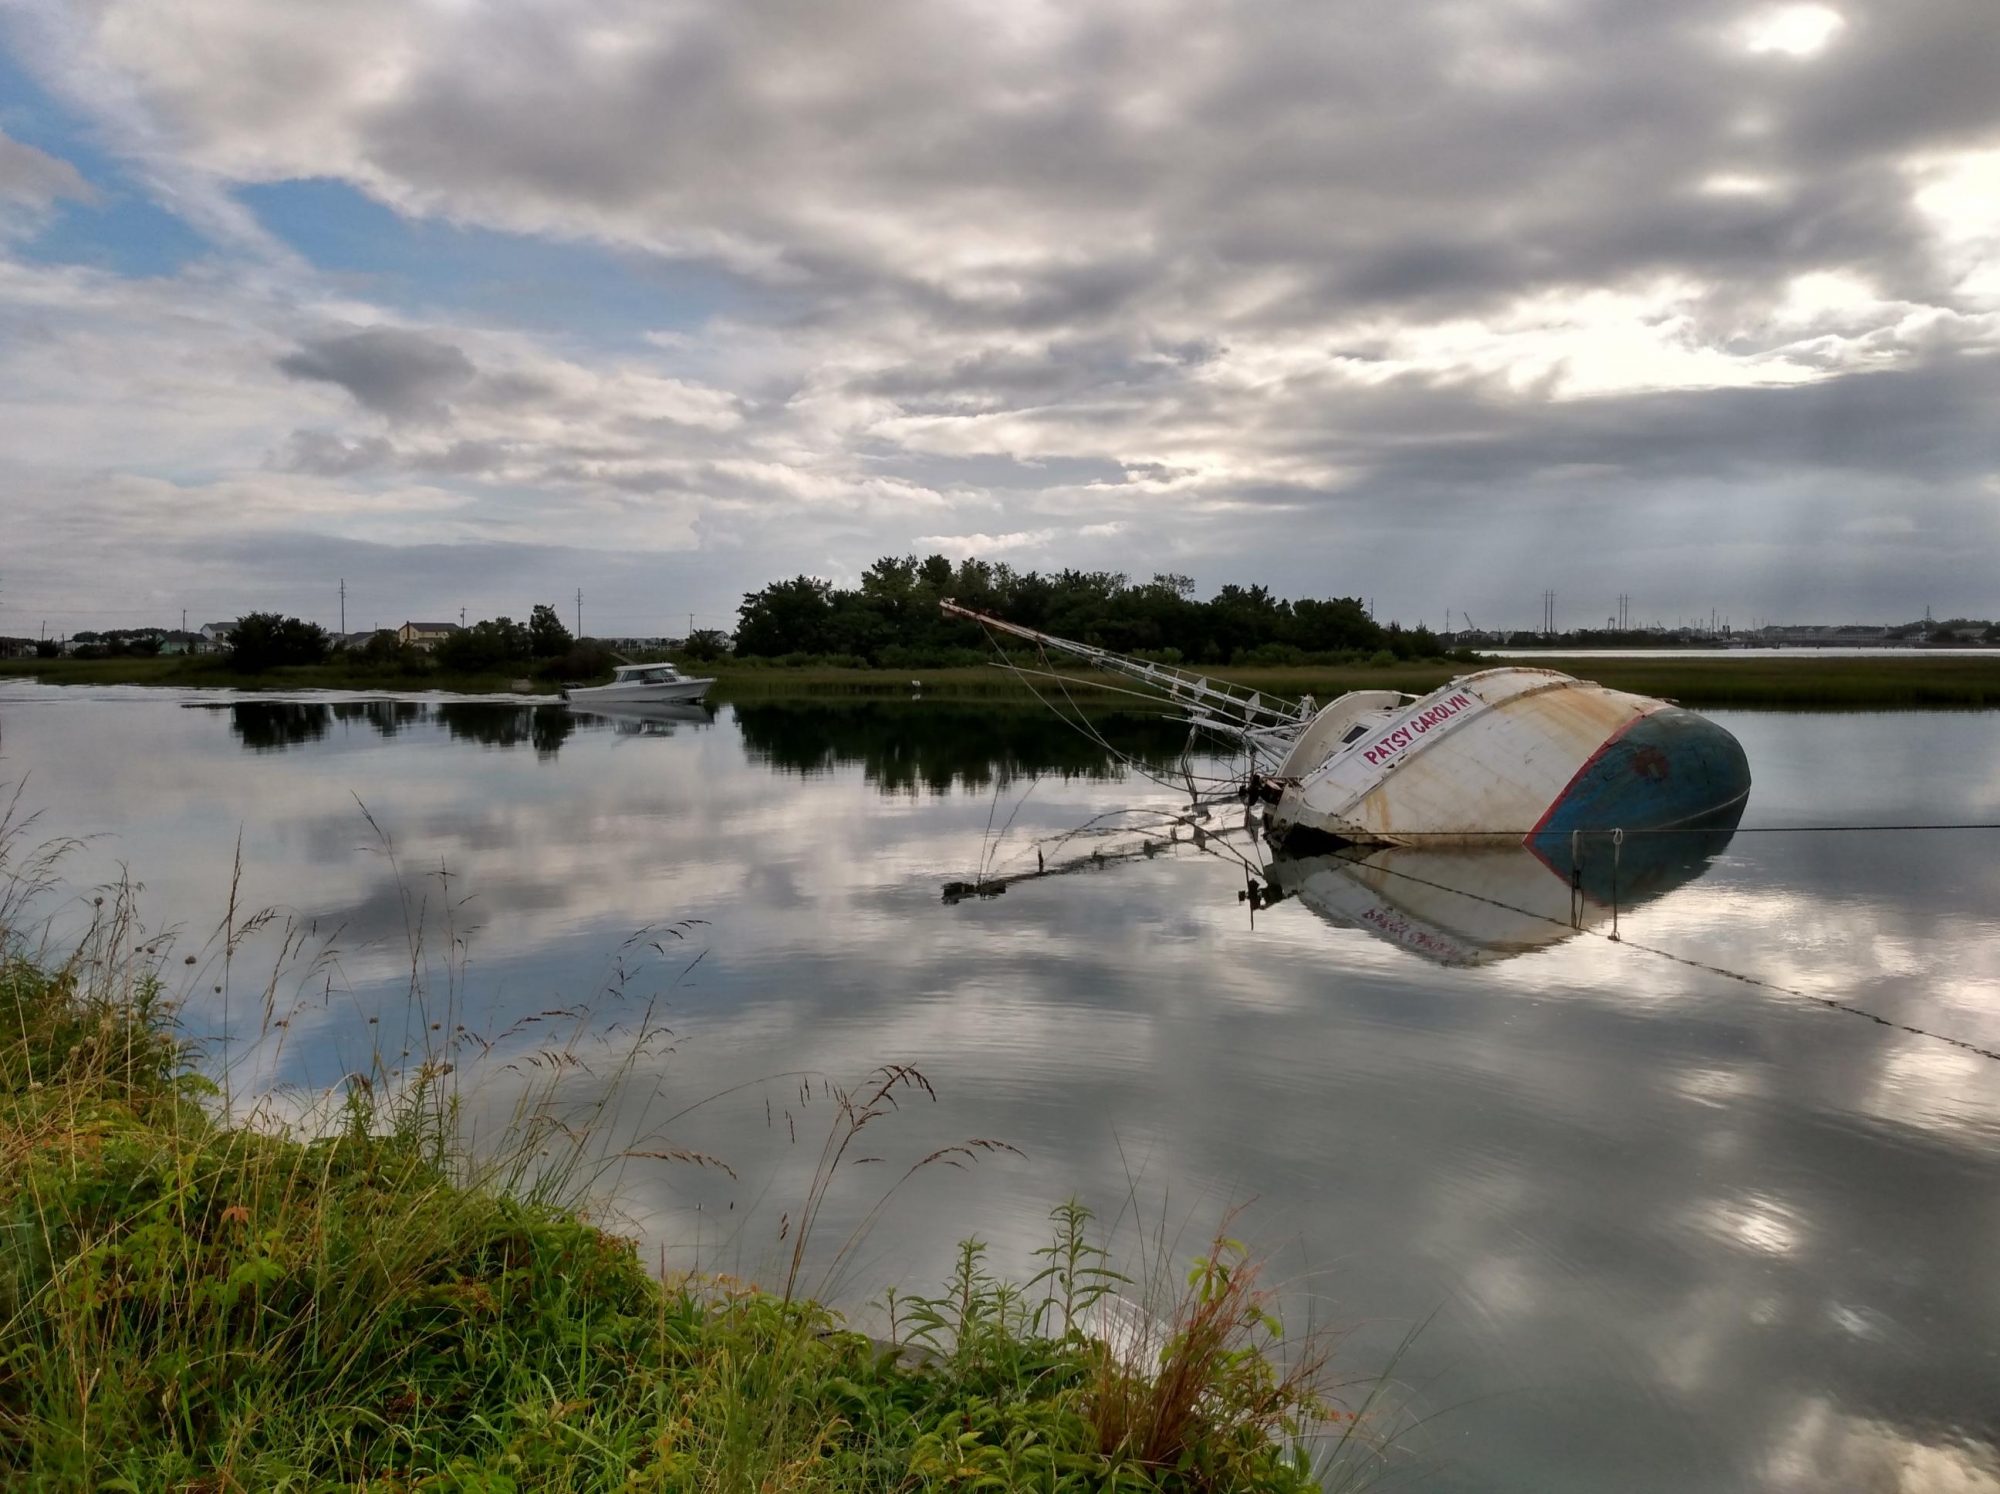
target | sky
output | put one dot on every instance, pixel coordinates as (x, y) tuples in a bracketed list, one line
[(475, 304)]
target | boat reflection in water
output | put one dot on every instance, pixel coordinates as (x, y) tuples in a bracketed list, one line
[(1471, 905), (646, 718)]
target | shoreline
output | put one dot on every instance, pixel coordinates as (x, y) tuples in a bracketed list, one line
[(1943, 680), (360, 1298)]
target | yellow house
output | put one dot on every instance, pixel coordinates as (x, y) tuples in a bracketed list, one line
[(425, 635)]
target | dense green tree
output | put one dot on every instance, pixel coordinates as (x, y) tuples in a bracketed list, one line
[(485, 645), (1332, 624), (892, 617), (547, 637), (704, 645), (264, 640), (382, 647), (786, 617)]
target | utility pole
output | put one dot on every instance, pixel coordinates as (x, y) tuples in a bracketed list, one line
[(343, 606), (184, 622), (461, 617), (579, 612)]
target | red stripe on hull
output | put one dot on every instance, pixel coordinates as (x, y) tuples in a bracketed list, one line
[(1577, 777)]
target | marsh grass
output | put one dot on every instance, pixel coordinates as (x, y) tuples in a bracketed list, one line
[(1936, 681), (202, 1288), (1803, 683)]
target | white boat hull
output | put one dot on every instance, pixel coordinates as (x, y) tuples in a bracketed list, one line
[(1524, 754), (650, 694)]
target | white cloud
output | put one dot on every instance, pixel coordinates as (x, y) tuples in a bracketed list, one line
[(959, 546), (1793, 30)]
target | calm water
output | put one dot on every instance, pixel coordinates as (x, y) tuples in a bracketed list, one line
[(1662, 1229)]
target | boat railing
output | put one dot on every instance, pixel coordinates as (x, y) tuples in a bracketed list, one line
[(1237, 709)]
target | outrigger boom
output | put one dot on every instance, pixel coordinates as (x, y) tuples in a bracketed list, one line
[(1271, 723)]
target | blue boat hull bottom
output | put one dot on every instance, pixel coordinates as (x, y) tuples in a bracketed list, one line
[(1670, 770)]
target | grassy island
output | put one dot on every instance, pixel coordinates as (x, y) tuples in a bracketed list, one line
[(194, 1304)]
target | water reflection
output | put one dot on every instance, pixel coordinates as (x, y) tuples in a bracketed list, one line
[(273, 725), (657, 718), (276, 725), (543, 727), (387, 716), (902, 747), (1476, 905)]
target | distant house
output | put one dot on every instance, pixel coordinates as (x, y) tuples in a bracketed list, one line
[(217, 634), (17, 648), (425, 636)]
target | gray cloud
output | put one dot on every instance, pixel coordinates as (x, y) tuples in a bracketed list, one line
[(403, 375), (327, 455), (38, 179)]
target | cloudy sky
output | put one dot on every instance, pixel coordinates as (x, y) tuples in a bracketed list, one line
[(475, 303)]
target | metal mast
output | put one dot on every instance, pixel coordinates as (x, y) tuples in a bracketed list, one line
[(1230, 708)]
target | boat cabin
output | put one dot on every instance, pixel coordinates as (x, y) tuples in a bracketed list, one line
[(646, 674)]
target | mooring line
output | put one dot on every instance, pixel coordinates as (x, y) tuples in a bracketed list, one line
[(1832, 1003)]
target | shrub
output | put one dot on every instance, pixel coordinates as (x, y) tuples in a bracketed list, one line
[(587, 659), (487, 644), (264, 640)]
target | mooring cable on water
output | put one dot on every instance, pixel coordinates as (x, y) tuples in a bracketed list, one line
[(1831, 1003)]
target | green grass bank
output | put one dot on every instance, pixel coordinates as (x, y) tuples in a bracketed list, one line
[(190, 1304), (213, 672), (1941, 680), (1901, 682)]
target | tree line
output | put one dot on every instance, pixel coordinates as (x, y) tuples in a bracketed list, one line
[(542, 645), (891, 618)]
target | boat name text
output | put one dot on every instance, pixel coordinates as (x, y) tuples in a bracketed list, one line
[(1390, 743)]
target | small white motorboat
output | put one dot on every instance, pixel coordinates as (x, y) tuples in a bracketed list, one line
[(639, 684)]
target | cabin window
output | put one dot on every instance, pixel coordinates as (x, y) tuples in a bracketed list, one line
[(1360, 729)]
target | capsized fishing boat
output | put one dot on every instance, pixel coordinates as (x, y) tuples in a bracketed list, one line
[(1512, 753), (639, 684)]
